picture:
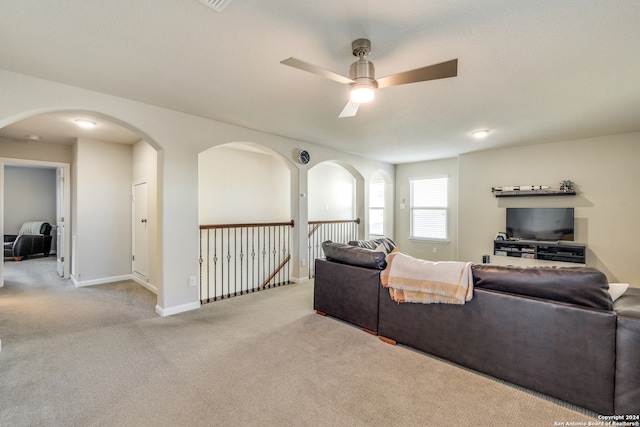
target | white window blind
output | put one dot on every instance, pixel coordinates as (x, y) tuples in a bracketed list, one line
[(376, 208), (429, 208)]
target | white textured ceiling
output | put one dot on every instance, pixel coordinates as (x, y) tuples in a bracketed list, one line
[(532, 72)]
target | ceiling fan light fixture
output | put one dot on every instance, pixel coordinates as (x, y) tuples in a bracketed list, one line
[(362, 93)]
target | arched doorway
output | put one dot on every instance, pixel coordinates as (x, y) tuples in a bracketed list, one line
[(92, 161)]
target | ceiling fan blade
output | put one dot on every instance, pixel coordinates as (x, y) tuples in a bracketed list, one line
[(431, 72), (305, 66), (349, 110)]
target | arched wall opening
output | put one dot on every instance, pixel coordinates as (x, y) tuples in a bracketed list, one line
[(98, 223), (247, 211), (332, 192), (243, 183), (336, 206)]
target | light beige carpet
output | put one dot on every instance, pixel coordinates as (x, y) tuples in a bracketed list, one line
[(100, 356)]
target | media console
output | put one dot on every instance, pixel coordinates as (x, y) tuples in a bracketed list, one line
[(548, 251)]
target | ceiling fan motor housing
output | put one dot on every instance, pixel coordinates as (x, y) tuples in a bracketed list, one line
[(363, 73)]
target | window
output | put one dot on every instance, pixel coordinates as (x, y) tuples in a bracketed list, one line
[(429, 208), (376, 208)]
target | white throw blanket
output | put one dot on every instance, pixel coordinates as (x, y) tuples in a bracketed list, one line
[(31, 227), (414, 280)]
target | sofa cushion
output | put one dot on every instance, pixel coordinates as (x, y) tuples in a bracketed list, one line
[(628, 305), (354, 255), (388, 244), (575, 285)]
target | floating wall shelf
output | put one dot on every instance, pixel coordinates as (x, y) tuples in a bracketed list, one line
[(564, 189)]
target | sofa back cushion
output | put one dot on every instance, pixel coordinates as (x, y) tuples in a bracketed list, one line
[(354, 255), (575, 285)]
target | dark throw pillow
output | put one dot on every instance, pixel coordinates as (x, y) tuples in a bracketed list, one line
[(354, 255)]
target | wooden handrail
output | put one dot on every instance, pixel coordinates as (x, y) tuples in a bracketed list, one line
[(313, 230), (275, 272), (336, 221), (264, 224), (317, 224)]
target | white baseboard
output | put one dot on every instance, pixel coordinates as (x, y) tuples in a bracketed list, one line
[(299, 279), (177, 309), (79, 284), (145, 284)]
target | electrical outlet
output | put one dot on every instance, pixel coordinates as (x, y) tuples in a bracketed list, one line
[(435, 250), (303, 262), (193, 281)]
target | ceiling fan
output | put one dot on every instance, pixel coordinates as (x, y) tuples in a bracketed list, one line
[(363, 80)]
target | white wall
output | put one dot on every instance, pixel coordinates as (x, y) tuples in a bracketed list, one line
[(607, 207), (332, 193), (102, 227), (240, 186), (34, 150), (430, 250), (29, 195)]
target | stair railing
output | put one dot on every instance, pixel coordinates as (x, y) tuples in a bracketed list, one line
[(339, 231), (237, 259)]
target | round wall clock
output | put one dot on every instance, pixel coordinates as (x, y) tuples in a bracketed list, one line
[(304, 157)]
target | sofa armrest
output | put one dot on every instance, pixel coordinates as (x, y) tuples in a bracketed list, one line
[(28, 244), (347, 292), (627, 392)]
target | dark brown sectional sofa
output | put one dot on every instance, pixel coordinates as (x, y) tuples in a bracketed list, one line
[(552, 330)]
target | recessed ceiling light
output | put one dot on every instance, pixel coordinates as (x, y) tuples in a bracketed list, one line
[(34, 137), (85, 123), (480, 133)]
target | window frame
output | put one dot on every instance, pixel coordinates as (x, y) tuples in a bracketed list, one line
[(377, 208), (432, 207)]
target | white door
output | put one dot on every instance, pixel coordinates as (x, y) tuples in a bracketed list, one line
[(60, 221), (140, 231)]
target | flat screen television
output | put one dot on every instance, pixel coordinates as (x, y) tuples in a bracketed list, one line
[(540, 224)]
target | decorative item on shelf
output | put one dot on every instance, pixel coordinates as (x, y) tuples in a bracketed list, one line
[(564, 189), (566, 186)]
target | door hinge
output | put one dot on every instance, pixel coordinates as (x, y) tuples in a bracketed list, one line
[(61, 259), (133, 258)]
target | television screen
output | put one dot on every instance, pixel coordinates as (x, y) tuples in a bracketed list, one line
[(547, 224)]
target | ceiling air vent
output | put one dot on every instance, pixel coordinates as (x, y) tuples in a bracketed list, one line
[(217, 5)]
